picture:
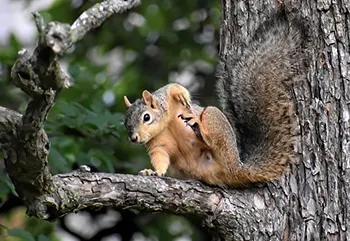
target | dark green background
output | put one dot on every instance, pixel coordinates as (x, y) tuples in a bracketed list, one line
[(84, 129)]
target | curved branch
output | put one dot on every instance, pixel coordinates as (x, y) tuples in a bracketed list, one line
[(39, 74), (79, 190), (96, 15), (221, 209)]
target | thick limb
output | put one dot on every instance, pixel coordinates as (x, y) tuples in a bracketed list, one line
[(217, 133), (214, 129)]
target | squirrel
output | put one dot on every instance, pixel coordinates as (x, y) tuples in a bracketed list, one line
[(154, 121), (251, 140)]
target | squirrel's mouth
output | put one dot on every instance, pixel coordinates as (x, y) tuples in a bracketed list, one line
[(138, 142)]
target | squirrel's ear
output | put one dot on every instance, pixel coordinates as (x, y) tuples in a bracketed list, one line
[(127, 102), (149, 100)]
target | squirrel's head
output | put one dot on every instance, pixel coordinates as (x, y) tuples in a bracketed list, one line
[(143, 119)]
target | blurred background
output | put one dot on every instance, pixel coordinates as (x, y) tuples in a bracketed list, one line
[(154, 44)]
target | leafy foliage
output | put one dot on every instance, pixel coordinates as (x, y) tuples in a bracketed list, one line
[(145, 48)]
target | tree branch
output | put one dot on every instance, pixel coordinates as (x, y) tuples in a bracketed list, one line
[(95, 16), (23, 139), (81, 189), (219, 208)]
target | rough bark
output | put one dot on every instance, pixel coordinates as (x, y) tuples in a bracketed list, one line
[(313, 203), (310, 204)]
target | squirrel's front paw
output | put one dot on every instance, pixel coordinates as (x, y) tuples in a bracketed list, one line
[(180, 94), (184, 98), (150, 172)]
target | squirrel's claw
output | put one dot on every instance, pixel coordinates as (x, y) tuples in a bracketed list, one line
[(146, 172), (150, 172), (184, 100), (186, 116), (191, 122)]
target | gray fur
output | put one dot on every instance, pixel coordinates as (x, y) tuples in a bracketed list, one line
[(254, 89), (133, 114)]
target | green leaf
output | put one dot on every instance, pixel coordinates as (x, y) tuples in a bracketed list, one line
[(4, 190), (22, 234), (6, 186), (15, 43), (43, 238), (57, 161)]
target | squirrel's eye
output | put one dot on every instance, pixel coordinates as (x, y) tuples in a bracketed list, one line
[(146, 117)]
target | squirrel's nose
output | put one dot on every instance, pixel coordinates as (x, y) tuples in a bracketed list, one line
[(134, 137)]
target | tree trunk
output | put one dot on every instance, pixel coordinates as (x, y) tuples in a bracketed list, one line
[(312, 204)]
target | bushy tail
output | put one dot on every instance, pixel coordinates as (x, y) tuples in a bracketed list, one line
[(254, 91)]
